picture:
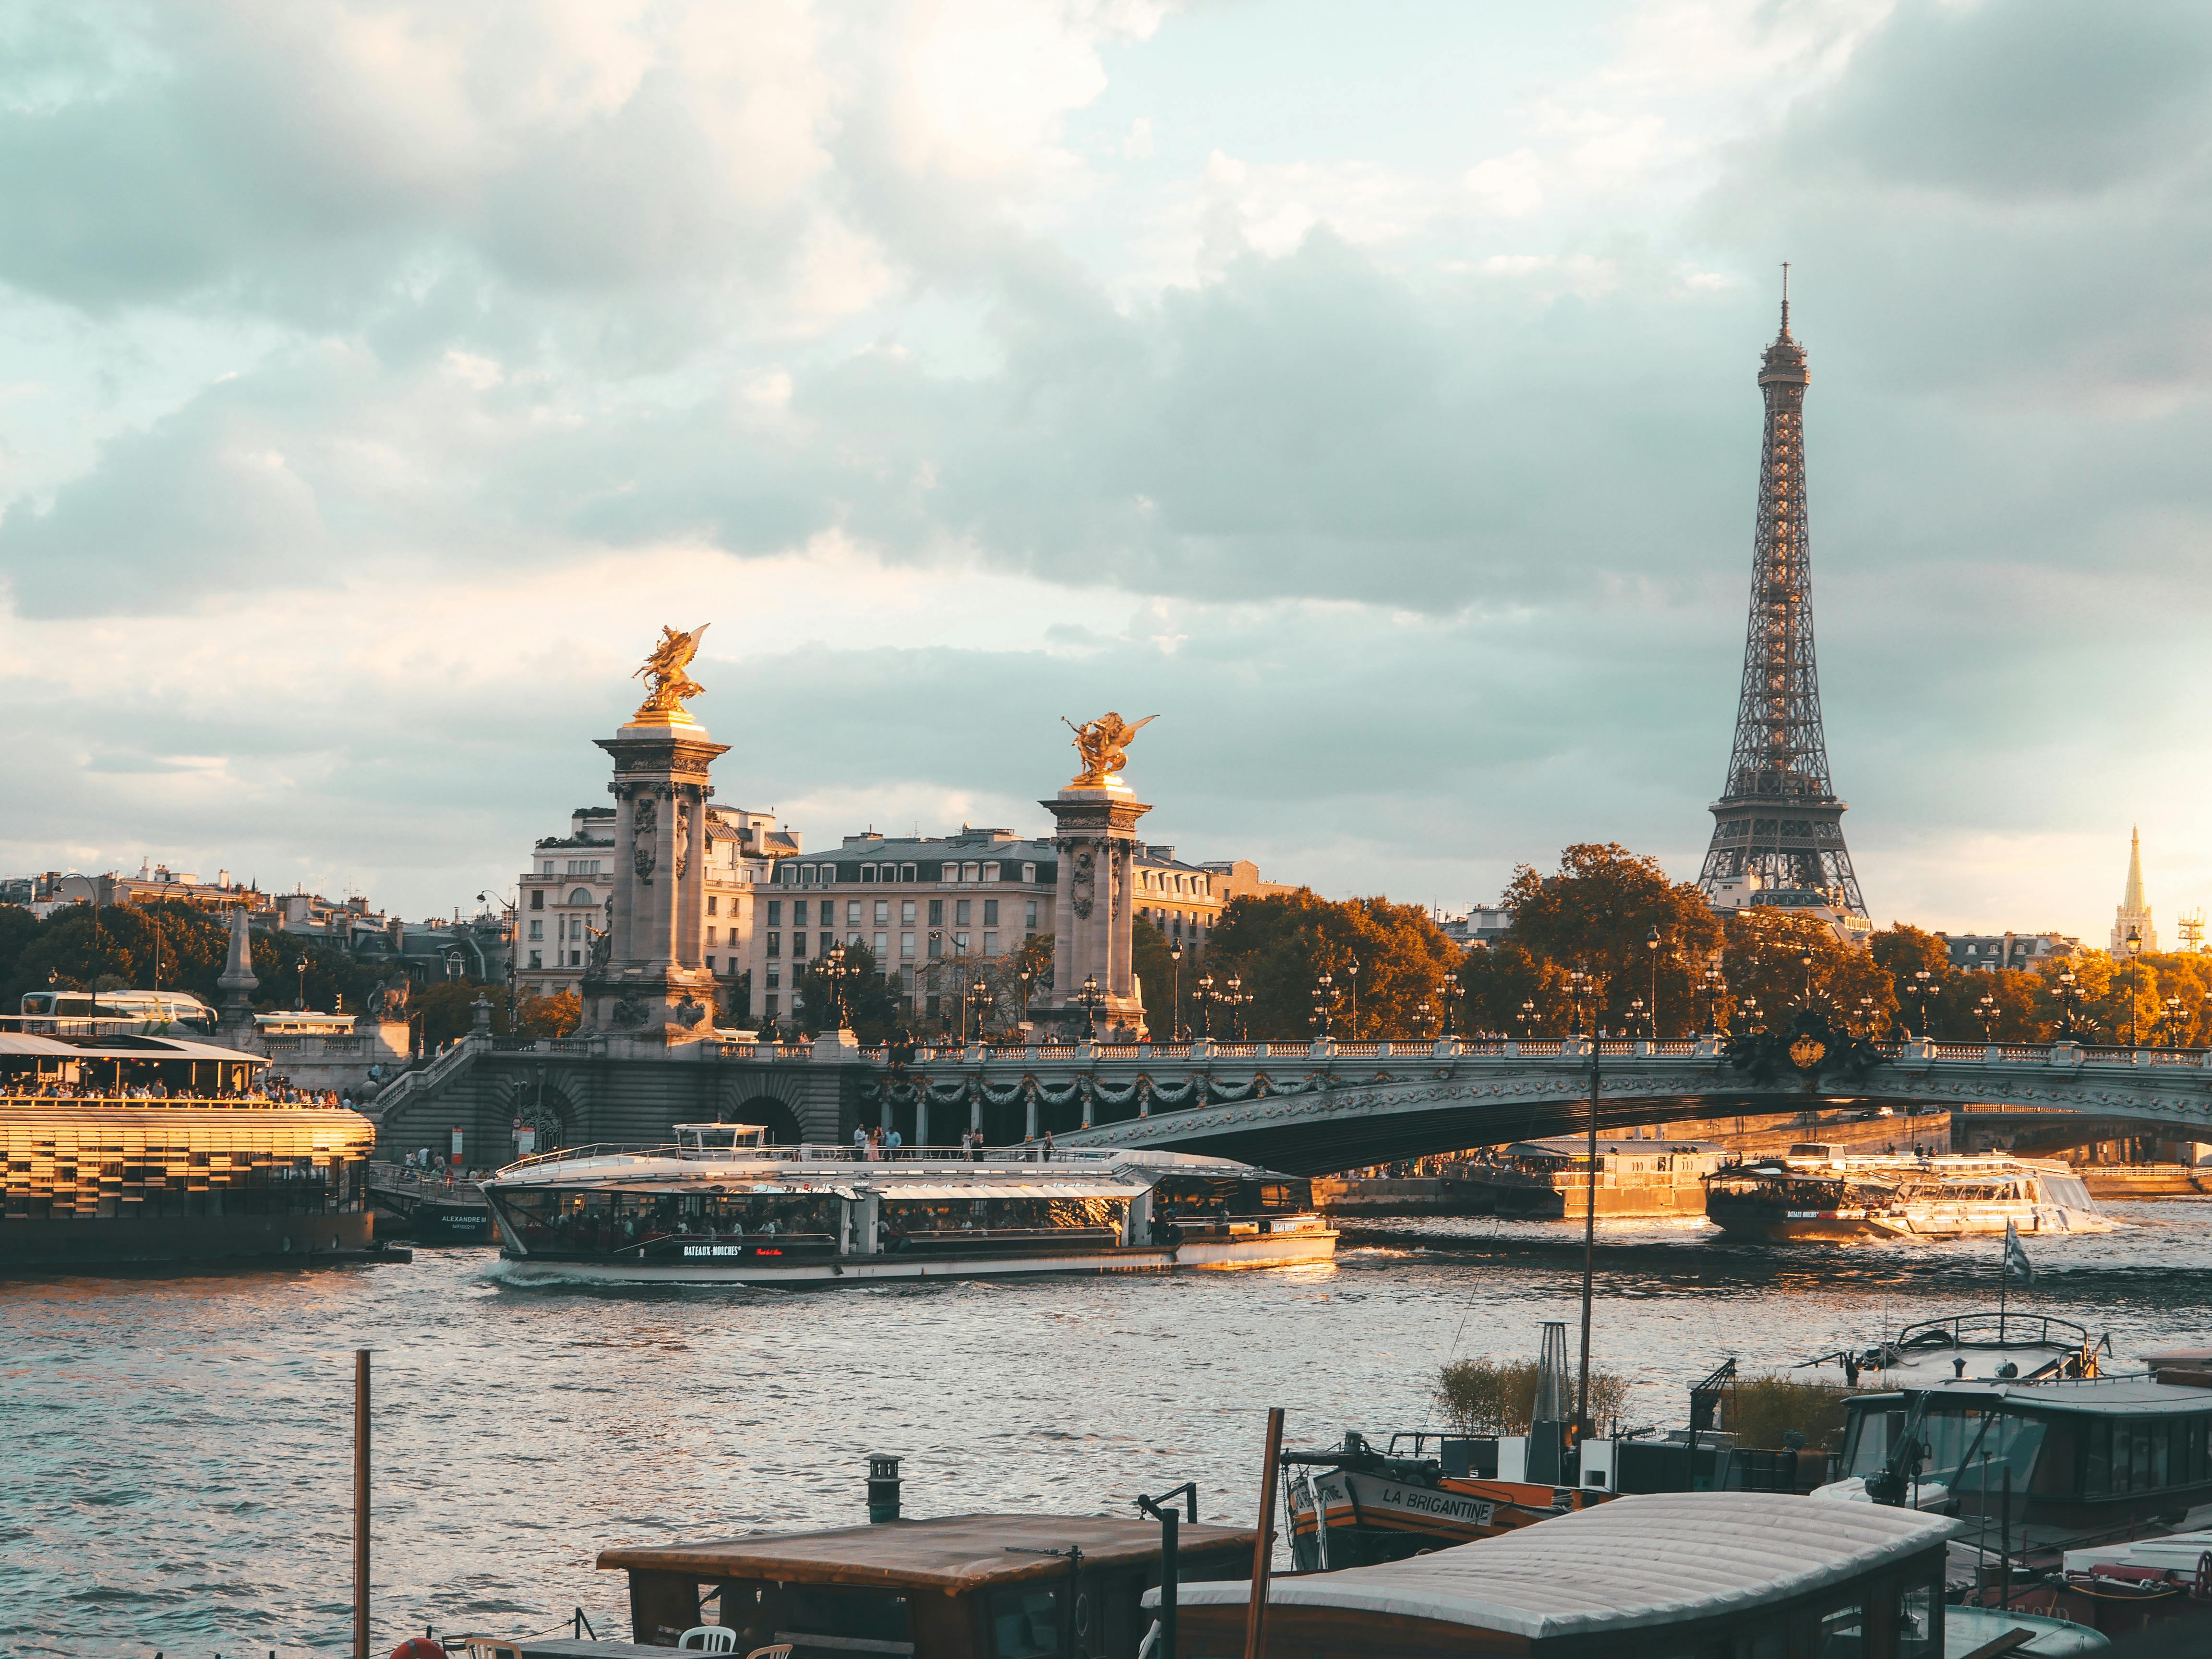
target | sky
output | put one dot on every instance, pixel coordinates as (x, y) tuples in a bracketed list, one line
[(1367, 392)]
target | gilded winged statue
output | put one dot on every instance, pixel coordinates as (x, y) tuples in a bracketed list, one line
[(667, 682), (1104, 745)]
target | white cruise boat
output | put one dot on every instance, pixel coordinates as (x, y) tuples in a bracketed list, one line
[(1815, 1193), (721, 1207)]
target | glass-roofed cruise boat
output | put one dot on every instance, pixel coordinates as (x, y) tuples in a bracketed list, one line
[(720, 1206)]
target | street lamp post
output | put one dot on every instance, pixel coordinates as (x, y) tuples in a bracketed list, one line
[(1092, 997), (2134, 982), (1638, 1015), (1324, 1002), (2070, 995), (1174, 956), (1451, 1001), (1206, 1002), (1651, 949), (2173, 1022), (1239, 1000), (1924, 987), (1753, 1019), (1351, 974), (1527, 1012), (302, 1004), (1806, 957), (1986, 1012), (1578, 989)]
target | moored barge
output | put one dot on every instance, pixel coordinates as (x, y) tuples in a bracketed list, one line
[(722, 1206)]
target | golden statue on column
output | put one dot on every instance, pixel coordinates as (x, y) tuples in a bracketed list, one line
[(668, 683), (1103, 744)]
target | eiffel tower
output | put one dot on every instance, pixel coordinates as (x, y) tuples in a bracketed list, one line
[(1778, 825)]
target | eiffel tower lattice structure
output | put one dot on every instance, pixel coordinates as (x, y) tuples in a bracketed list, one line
[(1777, 827)]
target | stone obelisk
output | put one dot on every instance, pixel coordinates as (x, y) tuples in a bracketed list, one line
[(648, 977), (238, 982), (1094, 979)]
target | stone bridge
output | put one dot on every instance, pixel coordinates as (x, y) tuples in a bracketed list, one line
[(1302, 1108)]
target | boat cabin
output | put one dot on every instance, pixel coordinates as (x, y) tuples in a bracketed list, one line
[(708, 1137), (2106, 1450), (958, 1587), (1669, 1576)]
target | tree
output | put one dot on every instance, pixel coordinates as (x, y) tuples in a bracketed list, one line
[(1787, 958), (122, 946), (1283, 942), (536, 1016), (1500, 983), (18, 927), (1598, 912)]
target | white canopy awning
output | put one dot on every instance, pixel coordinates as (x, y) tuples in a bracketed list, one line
[(895, 1191)]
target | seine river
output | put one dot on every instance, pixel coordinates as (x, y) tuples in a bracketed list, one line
[(175, 1450)]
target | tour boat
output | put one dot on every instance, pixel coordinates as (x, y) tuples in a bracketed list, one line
[(721, 1207), (1816, 1194)]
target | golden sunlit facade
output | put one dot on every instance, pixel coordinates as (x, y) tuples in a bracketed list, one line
[(87, 1157)]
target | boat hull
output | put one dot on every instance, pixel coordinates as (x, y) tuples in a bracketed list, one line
[(1773, 1224), (1265, 1250), (1368, 1518)]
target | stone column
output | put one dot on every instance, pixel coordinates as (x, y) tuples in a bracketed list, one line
[(1094, 907)]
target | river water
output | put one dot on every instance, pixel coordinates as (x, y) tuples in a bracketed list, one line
[(175, 1450)]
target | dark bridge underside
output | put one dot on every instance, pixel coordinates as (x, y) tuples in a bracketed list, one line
[(1323, 1147)]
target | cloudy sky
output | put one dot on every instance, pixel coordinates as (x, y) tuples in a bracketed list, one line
[(1368, 391)]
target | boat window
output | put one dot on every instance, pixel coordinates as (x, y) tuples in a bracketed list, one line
[(1959, 1443), (1872, 1434), (1920, 1623), (1025, 1622), (1838, 1632), (998, 1215)]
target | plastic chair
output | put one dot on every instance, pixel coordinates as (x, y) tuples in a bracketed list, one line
[(781, 1652), (710, 1639)]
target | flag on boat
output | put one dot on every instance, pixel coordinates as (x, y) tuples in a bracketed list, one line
[(2015, 1256)]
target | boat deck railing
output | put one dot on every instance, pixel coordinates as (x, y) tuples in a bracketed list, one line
[(1032, 1153), (174, 1102), (2001, 1330)]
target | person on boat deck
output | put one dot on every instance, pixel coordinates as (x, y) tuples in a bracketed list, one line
[(1048, 1146), (860, 1137), (892, 1140)]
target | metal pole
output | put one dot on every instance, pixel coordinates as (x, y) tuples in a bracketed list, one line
[(2004, 1540), (1589, 1255), (1263, 1553), (1170, 1527), (361, 1503)]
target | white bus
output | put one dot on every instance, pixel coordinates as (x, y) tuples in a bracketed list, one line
[(146, 1013)]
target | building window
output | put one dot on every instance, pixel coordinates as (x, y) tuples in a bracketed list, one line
[(867, 872), (906, 945), (1029, 872), (774, 977), (882, 948), (990, 944), (536, 959), (537, 930), (548, 870), (1028, 915), (990, 873), (807, 874), (990, 913), (712, 903), (771, 1005), (960, 945), (776, 913), (797, 942), (909, 872), (710, 936), (971, 872), (537, 898), (774, 946), (823, 944), (882, 911), (960, 909), (852, 913), (575, 959), (798, 913), (582, 896), (936, 911), (906, 913), (936, 947), (710, 964)]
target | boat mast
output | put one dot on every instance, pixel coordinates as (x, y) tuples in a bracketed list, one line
[(1590, 1253)]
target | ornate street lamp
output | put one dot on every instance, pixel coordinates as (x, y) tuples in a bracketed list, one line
[(1638, 1015), (1206, 1002), (2173, 1022), (1805, 957), (1924, 987), (1578, 990), (1751, 1019), (1324, 1002), (1986, 1012), (1715, 985), (1351, 974), (1866, 1016), (2134, 982), (1527, 1012), (1451, 999), (1651, 949), (1239, 1000), (1175, 955), (2070, 995), (1092, 999)]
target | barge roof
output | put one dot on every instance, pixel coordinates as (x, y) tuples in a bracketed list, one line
[(954, 1553), (1663, 1559)]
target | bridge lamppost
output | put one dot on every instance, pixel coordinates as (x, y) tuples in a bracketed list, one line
[(1451, 998), (2070, 995), (1751, 1020), (1527, 1012), (978, 997), (1578, 990), (1924, 987), (1324, 1002), (1352, 979), (1806, 957), (2173, 1022), (1639, 1016), (1714, 987), (1986, 1012), (1092, 999), (2134, 982), (1866, 1016), (1651, 949), (1206, 1003), (1239, 1000), (1175, 955)]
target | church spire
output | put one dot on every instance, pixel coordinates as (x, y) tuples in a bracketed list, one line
[(2134, 913)]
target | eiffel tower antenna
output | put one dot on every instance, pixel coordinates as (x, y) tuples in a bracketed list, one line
[(1778, 824)]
